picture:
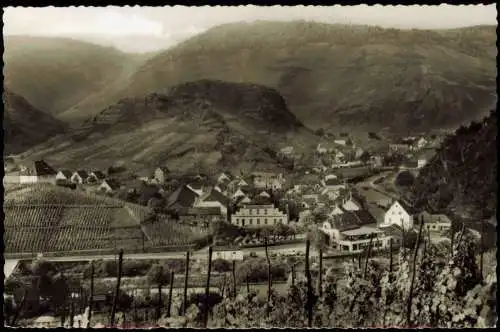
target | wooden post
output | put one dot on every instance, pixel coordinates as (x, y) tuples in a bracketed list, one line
[(207, 287), (309, 287), (359, 260), (18, 311), (452, 240), (117, 290), (293, 275), (320, 285), (268, 273), (414, 272), (72, 313), (160, 300), (186, 276), (234, 279), (481, 257), (248, 286), (91, 301), (368, 253), (169, 306), (390, 256)]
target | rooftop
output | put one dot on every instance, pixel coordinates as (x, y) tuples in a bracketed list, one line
[(363, 230)]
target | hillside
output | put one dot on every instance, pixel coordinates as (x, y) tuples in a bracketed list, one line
[(462, 177), (195, 125), (25, 126), (349, 76), (59, 75)]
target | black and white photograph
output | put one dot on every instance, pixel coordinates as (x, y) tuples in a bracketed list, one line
[(250, 167)]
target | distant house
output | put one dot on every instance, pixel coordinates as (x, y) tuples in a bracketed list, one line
[(424, 157), (183, 197), (214, 198), (286, 151), (160, 174), (265, 180), (109, 185), (420, 143), (399, 214), (96, 176), (64, 175), (400, 147), (434, 222), (223, 178), (333, 184), (40, 172), (264, 194), (255, 216), (79, 177), (340, 157), (351, 204)]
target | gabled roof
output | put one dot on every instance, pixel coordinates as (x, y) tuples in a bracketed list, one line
[(66, 172), (408, 209), (43, 169), (216, 196), (83, 174), (112, 183), (99, 174), (164, 169), (433, 218), (333, 182), (183, 196)]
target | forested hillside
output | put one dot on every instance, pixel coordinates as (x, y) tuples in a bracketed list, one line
[(462, 177)]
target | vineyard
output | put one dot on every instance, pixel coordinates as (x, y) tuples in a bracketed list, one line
[(45, 218)]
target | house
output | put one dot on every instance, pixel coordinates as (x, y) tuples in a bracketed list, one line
[(424, 157), (333, 184), (96, 176), (399, 214), (183, 197), (358, 152), (306, 217), (376, 161), (350, 231), (434, 222), (255, 216), (242, 200), (239, 193), (79, 177), (351, 204), (64, 175), (339, 157), (420, 143), (223, 178), (265, 194), (400, 147), (201, 215), (213, 198), (286, 151), (265, 180), (40, 172), (109, 185), (161, 174)]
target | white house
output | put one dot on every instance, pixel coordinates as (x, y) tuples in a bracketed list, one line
[(420, 143), (264, 194), (238, 193), (399, 214), (286, 151), (109, 186), (223, 178), (263, 180), (160, 174), (259, 216), (434, 222), (421, 162), (64, 175), (350, 204), (79, 177)]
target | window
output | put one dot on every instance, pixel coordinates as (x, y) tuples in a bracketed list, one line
[(265, 211), (345, 248), (275, 220), (250, 222), (250, 211), (354, 247), (258, 221), (265, 221), (258, 211)]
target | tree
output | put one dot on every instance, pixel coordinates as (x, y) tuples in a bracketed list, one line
[(404, 179), (319, 132), (365, 157), (221, 265), (160, 276)]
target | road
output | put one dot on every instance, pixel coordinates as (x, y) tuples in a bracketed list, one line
[(199, 254)]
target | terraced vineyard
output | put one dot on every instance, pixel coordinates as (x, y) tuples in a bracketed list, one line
[(169, 232), (46, 218)]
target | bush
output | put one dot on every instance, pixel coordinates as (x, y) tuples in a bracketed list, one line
[(221, 265), (256, 270), (404, 179)]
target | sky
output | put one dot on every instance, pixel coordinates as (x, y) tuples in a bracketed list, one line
[(143, 29)]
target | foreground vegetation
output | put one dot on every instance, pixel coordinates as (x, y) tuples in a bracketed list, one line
[(428, 285)]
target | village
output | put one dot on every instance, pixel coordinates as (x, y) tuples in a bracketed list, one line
[(335, 192)]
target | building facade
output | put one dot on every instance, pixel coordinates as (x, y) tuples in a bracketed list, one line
[(259, 216)]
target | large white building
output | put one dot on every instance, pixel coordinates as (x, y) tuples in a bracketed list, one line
[(259, 216), (399, 214)]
